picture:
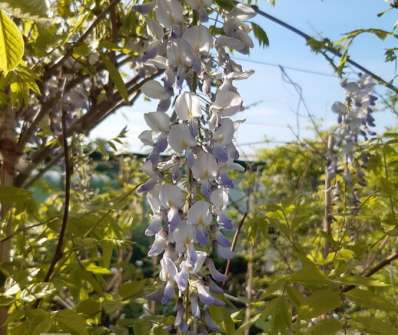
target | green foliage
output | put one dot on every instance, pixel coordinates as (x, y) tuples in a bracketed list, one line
[(116, 78), (225, 4), (260, 35), (11, 44)]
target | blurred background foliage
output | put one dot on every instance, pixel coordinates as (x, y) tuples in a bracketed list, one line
[(281, 281)]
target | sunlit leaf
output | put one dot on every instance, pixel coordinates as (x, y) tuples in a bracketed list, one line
[(11, 44), (71, 321)]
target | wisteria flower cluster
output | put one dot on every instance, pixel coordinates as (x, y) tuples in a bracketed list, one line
[(355, 117), (188, 192)]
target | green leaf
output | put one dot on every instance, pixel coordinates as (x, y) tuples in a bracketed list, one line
[(320, 302), (280, 316), (6, 300), (142, 327), (18, 198), (326, 327), (11, 44), (117, 79), (222, 317), (89, 307), (260, 34), (225, 4), (131, 290), (107, 249), (26, 8), (42, 327), (295, 295), (373, 326), (38, 321), (368, 299), (159, 330), (71, 321), (93, 268), (246, 325), (309, 274)]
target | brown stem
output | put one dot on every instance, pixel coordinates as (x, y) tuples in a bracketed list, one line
[(86, 123), (382, 264), (234, 242), (249, 287), (68, 171), (328, 215)]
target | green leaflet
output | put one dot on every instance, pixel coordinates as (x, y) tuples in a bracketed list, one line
[(368, 299), (11, 44), (373, 326), (326, 327), (116, 78), (71, 321), (260, 34), (320, 302), (281, 317)]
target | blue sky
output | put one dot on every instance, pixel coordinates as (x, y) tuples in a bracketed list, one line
[(275, 114)]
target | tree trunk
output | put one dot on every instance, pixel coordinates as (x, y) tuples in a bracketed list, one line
[(9, 158)]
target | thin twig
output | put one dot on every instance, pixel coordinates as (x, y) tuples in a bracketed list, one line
[(59, 249), (328, 203), (68, 170), (16, 232), (382, 264), (234, 242)]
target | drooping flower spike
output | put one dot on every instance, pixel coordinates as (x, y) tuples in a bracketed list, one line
[(355, 121), (188, 191)]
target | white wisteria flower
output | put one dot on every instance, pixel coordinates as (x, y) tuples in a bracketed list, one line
[(228, 102), (153, 89), (171, 196), (169, 12), (188, 106), (180, 137), (157, 121), (199, 39), (204, 167), (201, 7)]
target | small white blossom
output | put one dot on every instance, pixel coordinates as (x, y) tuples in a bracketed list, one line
[(188, 106), (180, 138)]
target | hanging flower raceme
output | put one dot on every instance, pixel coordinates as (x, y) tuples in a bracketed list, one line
[(355, 121), (188, 191), (355, 117)]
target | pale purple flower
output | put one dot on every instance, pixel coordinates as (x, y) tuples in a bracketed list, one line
[(180, 138), (214, 273), (169, 12), (188, 106), (204, 167), (159, 245)]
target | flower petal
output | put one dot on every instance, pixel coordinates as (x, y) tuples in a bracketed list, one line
[(188, 106), (153, 89)]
